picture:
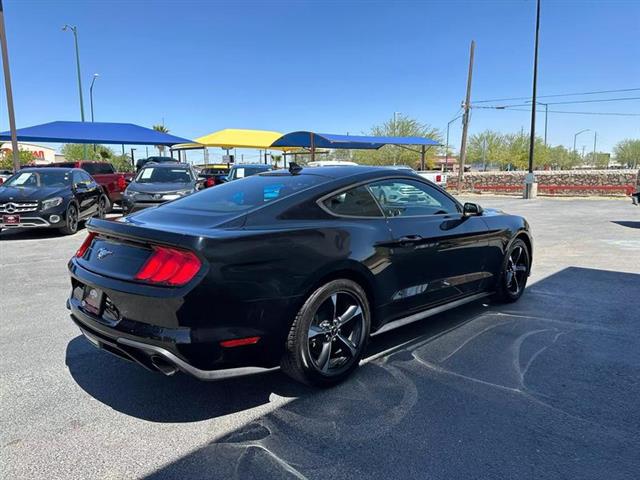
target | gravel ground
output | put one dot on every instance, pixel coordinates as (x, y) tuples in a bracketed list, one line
[(544, 388)]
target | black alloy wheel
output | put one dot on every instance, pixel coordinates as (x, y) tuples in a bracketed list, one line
[(103, 205), (71, 219), (515, 272), (328, 335)]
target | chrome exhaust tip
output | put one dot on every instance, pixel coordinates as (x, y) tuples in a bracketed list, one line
[(163, 366)]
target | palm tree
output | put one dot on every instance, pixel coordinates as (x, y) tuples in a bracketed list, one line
[(162, 129)]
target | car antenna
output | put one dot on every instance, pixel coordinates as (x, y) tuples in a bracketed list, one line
[(294, 168)]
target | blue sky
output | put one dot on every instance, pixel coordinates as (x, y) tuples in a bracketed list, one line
[(332, 66)]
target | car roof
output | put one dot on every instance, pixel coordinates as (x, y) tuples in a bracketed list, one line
[(262, 165), (341, 171), (167, 165), (48, 169)]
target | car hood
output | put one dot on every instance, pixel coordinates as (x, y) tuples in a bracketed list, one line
[(159, 187), (24, 194)]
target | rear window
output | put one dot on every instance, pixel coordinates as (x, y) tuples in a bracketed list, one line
[(246, 194), (98, 168)]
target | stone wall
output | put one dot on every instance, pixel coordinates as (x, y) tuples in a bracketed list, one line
[(558, 182)]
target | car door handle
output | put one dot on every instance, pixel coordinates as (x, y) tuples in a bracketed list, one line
[(409, 239)]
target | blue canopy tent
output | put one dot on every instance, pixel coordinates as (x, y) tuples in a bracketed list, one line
[(94, 132), (312, 140)]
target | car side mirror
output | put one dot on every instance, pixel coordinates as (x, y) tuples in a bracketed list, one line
[(471, 210)]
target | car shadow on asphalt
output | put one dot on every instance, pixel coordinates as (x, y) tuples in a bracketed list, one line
[(135, 391), (543, 388), (626, 223)]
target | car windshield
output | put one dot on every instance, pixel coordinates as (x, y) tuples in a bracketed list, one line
[(247, 193), (43, 178), (241, 172), (163, 175)]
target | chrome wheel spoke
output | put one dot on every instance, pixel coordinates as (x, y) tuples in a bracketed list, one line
[(509, 277), (324, 357), (348, 344), (352, 312), (334, 302)]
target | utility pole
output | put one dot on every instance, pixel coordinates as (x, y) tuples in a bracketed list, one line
[(7, 86), (595, 141), (530, 185), (465, 117)]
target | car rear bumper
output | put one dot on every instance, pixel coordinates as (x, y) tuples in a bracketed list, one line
[(154, 357), (150, 327)]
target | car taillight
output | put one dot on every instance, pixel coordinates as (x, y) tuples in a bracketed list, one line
[(85, 245), (169, 266), (438, 178), (122, 184), (239, 342), (210, 182)]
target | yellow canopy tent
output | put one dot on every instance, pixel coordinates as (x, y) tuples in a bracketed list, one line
[(237, 138)]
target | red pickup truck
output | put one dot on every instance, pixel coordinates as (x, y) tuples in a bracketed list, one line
[(113, 183)]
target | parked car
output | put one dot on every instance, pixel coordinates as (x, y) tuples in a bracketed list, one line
[(4, 174), (112, 183), (50, 198), (435, 176), (302, 266), (143, 161), (243, 170), (157, 183), (636, 196), (212, 176)]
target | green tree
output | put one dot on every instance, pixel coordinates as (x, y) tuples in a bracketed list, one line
[(122, 163), (396, 155), (561, 158), (627, 153), (6, 158), (487, 148), (160, 128)]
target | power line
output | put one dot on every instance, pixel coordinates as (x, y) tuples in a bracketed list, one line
[(575, 102), (562, 111), (560, 95)]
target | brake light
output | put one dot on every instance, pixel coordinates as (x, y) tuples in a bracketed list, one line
[(210, 182), (169, 266), (122, 184), (238, 342), (438, 178), (85, 245)]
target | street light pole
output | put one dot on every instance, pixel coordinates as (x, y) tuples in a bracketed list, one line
[(95, 75), (530, 185), (446, 149), (576, 136), (74, 29)]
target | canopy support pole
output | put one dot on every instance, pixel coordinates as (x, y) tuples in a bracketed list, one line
[(423, 151), (313, 147)]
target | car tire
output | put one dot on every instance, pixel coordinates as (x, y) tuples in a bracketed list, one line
[(71, 219), (104, 206), (328, 335), (108, 204), (514, 272)]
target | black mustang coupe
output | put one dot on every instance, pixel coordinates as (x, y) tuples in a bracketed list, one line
[(50, 198), (295, 268)]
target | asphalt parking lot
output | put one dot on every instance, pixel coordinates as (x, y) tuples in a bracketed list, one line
[(544, 388)]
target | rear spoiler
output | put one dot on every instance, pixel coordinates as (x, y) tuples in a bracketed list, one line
[(138, 233)]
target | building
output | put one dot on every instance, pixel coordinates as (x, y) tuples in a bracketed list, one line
[(41, 155)]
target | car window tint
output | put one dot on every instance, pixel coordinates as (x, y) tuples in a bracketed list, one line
[(407, 198), (92, 168), (356, 202), (77, 177), (248, 193), (85, 177)]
